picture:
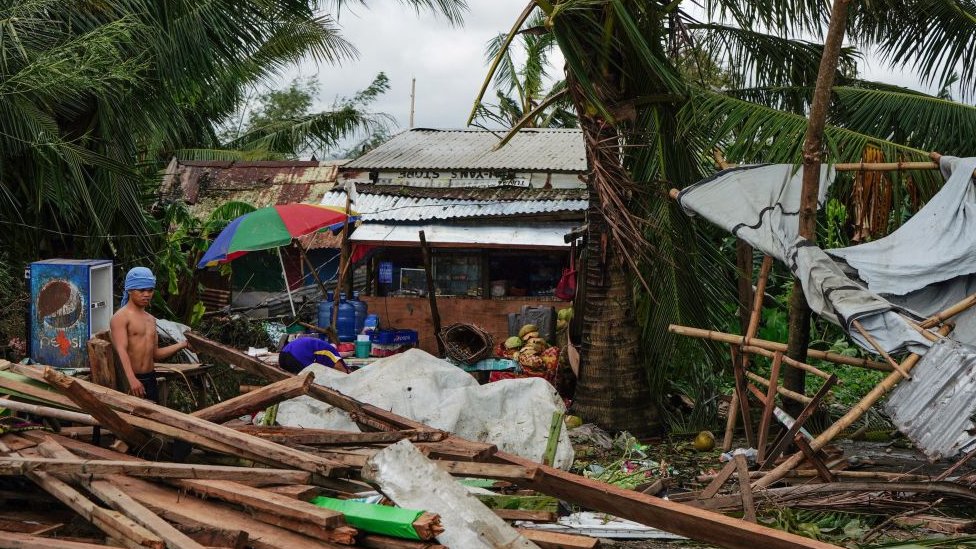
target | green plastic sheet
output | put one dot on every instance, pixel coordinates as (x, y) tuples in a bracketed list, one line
[(370, 517)]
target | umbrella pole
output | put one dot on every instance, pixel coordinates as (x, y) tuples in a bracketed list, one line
[(284, 274)]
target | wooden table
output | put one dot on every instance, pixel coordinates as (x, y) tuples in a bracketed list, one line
[(194, 375)]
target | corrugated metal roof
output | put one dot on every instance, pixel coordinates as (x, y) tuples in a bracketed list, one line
[(386, 207), (533, 149), (935, 409), (476, 193), (204, 186)]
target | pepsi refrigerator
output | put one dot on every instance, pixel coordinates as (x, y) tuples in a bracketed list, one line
[(71, 299)]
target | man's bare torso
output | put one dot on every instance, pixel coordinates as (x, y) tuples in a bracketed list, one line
[(140, 328)]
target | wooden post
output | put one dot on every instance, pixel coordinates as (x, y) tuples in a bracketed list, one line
[(745, 491), (741, 390), (102, 363), (749, 326), (345, 254), (311, 268), (822, 470), (767, 414), (799, 317), (432, 294), (801, 418)]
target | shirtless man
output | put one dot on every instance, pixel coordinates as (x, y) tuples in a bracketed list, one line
[(134, 334)]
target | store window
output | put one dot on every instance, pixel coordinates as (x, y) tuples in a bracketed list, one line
[(471, 273), (458, 274)]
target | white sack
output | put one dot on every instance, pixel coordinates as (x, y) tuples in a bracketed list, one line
[(513, 414)]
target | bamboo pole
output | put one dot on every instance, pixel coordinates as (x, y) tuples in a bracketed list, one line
[(877, 346), (734, 339), (781, 390), (750, 332), (46, 411), (952, 311), (767, 415), (850, 417), (767, 265), (794, 363)]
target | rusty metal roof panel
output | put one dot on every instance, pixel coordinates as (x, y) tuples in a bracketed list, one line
[(477, 193), (935, 409), (386, 207), (532, 149), (204, 186)]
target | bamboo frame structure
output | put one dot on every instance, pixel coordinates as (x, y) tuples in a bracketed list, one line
[(877, 347)]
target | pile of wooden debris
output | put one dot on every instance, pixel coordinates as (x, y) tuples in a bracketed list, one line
[(215, 481)]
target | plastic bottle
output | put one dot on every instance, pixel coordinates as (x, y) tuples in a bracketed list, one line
[(325, 311), (361, 310), (346, 320)]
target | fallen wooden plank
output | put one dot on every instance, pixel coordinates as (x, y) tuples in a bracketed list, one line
[(698, 524), (263, 450), (257, 400), (558, 540), (87, 401), (121, 502), (329, 437), (17, 540), (155, 469), (303, 492), (413, 481), (264, 502), (175, 506), (112, 523)]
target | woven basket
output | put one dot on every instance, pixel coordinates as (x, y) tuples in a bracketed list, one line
[(467, 343)]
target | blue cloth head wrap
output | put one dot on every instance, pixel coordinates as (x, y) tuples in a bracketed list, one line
[(138, 278)]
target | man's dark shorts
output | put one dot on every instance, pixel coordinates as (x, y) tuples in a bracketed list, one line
[(150, 385)]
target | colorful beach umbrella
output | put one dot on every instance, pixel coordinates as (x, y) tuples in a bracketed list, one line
[(271, 227)]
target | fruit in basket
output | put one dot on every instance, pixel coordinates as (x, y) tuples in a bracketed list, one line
[(514, 342), (530, 361), (550, 358), (536, 343), (530, 336), (528, 329)]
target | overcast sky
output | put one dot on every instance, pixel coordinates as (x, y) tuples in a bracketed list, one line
[(448, 62)]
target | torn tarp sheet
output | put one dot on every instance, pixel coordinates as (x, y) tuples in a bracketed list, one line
[(929, 263), (760, 205)]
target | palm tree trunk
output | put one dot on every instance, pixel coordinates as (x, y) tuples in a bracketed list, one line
[(612, 390), (799, 319)]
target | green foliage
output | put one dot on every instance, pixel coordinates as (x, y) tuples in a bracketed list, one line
[(176, 262), (282, 124), (520, 89), (835, 235), (825, 526)]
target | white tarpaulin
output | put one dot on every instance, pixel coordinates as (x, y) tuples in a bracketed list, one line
[(514, 414)]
